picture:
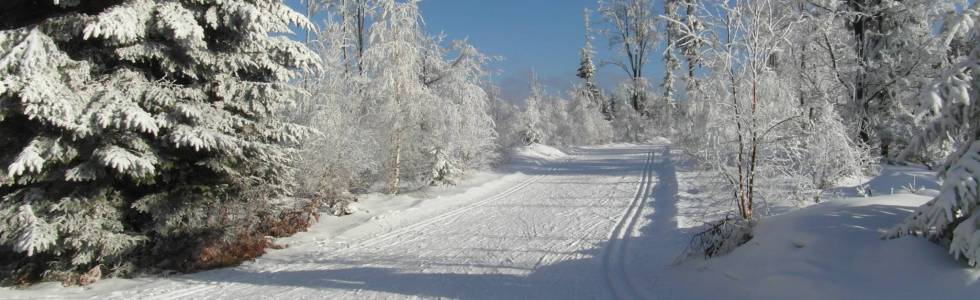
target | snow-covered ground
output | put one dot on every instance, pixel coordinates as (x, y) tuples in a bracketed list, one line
[(602, 222), (539, 230), (830, 250)]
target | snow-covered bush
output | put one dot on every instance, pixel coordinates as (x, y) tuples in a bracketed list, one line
[(628, 124), (136, 129), (586, 123), (719, 238), (949, 109), (507, 118), (445, 170), (825, 154)]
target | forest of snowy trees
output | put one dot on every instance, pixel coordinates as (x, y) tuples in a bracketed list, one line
[(154, 135)]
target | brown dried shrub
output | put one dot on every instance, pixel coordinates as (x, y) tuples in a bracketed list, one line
[(220, 254)]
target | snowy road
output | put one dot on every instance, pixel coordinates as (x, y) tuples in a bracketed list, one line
[(560, 231)]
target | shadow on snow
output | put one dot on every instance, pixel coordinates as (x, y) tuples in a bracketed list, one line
[(654, 247)]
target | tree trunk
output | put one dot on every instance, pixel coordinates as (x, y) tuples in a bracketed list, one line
[(860, 27), (394, 175), (750, 201)]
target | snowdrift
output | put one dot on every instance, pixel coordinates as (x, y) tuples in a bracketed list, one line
[(833, 251), (537, 152)]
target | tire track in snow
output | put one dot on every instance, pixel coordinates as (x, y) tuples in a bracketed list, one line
[(613, 263)]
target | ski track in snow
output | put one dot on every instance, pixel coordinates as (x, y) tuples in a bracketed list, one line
[(614, 257), (562, 231)]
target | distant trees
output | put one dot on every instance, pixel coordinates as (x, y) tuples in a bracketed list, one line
[(632, 30), (554, 120)]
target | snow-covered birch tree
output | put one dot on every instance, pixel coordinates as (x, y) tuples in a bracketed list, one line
[(395, 63), (412, 110), (747, 97), (463, 131)]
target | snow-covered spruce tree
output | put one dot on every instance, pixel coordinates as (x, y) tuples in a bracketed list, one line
[(950, 110), (689, 114), (588, 102), (587, 69), (665, 114), (140, 129), (690, 47)]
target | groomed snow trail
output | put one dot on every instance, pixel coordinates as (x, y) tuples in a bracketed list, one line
[(614, 258), (561, 231)]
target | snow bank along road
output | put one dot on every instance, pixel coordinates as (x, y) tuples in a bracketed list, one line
[(560, 231)]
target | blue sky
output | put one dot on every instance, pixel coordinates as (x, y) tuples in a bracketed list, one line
[(545, 35)]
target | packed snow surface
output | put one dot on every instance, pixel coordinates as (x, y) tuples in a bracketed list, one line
[(587, 223), (540, 230)]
